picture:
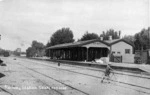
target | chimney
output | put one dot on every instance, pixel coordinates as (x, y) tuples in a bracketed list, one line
[(110, 37), (101, 38)]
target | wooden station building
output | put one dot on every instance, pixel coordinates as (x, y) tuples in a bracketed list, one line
[(80, 51), (91, 49)]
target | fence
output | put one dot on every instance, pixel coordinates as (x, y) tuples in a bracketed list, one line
[(116, 58)]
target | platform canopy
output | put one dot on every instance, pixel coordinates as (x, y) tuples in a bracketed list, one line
[(80, 51), (88, 43)]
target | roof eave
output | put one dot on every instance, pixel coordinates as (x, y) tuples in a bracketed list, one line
[(79, 45), (123, 41)]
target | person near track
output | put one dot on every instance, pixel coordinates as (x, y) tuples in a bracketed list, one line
[(107, 73)]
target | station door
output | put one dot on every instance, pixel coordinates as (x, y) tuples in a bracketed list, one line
[(117, 59)]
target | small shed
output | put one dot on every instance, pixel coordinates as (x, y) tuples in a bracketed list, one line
[(121, 50)]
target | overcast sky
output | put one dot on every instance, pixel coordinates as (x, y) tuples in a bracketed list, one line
[(22, 21)]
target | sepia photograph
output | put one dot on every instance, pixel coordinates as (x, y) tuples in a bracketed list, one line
[(74, 47)]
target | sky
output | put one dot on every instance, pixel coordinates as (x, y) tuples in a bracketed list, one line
[(22, 21)]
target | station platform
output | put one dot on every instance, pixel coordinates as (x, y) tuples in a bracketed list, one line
[(116, 66)]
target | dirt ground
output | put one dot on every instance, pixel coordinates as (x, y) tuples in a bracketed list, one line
[(31, 77)]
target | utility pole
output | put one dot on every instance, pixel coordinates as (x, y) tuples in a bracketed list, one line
[(148, 49), (148, 44), (148, 60)]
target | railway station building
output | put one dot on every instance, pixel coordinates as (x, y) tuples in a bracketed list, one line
[(121, 50)]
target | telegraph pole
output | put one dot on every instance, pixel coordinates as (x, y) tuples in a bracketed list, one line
[(148, 49), (149, 37)]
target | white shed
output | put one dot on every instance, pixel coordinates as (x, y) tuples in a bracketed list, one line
[(121, 47)]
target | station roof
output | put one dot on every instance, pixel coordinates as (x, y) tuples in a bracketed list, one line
[(81, 43), (111, 42), (76, 44)]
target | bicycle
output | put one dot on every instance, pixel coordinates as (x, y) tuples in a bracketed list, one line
[(108, 74)]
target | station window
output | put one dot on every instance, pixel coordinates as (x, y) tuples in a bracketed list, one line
[(127, 51)]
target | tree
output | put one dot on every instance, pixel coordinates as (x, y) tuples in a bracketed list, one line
[(142, 39), (4, 53), (31, 52), (37, 49), (129, 38), (48, 44), (89, 36), (17, 52), (111, 32), (64, 35), (37, 45), (46, 50)]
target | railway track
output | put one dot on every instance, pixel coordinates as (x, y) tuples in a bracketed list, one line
[(4, 90), (86, 75), (46, 84), (124, 72), (93, 69), (56, 81), (99, 70)]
